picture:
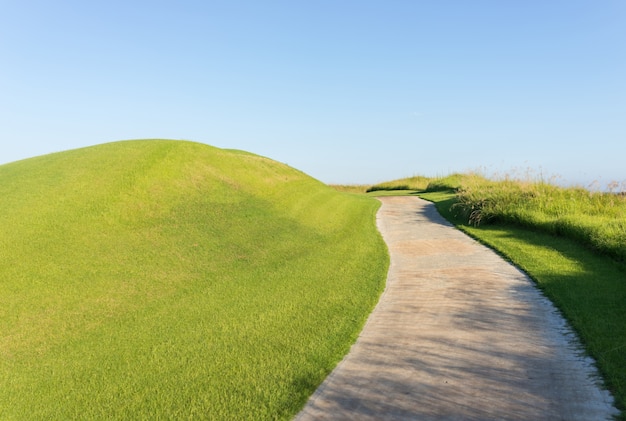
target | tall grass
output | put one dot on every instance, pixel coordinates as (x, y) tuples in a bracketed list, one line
[(417, 183), (173, 280), (449, 182), (596, 219), (350, 188)]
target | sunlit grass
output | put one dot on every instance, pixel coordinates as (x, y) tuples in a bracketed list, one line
[(595, 219), (411, 183), (173, 280), (351, 188)]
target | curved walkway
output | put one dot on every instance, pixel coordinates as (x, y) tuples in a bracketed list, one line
[(458, 334)]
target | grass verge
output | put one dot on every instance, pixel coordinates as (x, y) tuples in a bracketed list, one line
[(588, 288)]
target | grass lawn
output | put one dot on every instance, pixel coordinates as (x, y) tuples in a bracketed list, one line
[(173, 280), (588, 288)]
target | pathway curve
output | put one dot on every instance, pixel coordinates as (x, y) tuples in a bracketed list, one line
[(458, 334)]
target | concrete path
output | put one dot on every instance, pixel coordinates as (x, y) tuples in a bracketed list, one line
[(459, 334)]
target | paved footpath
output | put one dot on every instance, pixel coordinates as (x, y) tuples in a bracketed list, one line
[(459, 334)]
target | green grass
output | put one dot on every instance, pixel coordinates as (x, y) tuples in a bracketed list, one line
[(173, 280), (449, 182), (589, 288), (380, 193), (411, 183), (595, 219), (350, 188)]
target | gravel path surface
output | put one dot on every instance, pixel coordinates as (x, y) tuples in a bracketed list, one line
[(459, 334)]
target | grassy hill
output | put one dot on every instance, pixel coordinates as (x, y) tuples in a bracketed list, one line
[(168, 279)]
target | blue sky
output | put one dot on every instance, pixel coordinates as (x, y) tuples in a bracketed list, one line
[(346, 91)]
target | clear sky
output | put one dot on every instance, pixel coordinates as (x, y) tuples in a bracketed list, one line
[(346, 91)]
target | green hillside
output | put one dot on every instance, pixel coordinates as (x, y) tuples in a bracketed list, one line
[(162, 279)]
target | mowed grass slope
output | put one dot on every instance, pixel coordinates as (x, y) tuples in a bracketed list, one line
[(174, 280)]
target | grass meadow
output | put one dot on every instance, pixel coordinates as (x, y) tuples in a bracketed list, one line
[(570, 241), (174, 280)]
